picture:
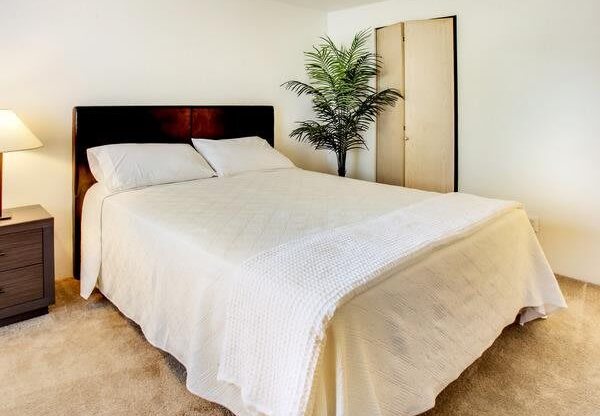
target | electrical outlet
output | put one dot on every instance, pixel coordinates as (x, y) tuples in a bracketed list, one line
[(535, 223)]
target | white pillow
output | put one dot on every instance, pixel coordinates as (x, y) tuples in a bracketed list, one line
[(231, 156), (134, 165)]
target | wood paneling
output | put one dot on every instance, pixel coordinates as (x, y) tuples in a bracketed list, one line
[(20, 249), (390, 123), (430, 98), (26, 264), (21, 285)]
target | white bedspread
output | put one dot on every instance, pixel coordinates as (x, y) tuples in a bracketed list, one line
[(295, 289), (169, 256)]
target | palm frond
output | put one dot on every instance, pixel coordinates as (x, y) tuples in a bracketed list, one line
[(316, 134), (343, 98)]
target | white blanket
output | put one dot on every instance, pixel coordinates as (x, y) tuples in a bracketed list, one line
[(166, 256), (286, 296)]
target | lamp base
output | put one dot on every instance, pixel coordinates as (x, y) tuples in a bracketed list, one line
[(3, 214)]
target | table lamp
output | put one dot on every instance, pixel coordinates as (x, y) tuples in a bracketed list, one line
[(14, 135)]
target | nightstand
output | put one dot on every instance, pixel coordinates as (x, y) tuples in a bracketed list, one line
[(26, 264)]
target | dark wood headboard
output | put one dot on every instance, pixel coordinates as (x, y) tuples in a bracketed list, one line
[(96, 126)]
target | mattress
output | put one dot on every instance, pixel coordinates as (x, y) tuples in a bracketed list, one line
[(166, 256)]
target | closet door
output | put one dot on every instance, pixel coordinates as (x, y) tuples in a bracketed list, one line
[(390, 123), (430, 105)]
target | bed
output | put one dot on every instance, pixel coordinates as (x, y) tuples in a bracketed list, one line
[(207, 268)]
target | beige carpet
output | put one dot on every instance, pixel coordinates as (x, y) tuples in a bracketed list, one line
[(84, 358)]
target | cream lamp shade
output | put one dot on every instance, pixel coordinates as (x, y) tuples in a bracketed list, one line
[(14, 135)]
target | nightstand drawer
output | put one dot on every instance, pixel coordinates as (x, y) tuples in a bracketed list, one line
[(21, 285), (20, 249)]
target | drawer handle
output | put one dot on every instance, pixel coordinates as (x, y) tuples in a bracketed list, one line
[(2, 253), (2, 291)]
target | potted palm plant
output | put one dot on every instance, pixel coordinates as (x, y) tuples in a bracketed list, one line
[(343, 98)]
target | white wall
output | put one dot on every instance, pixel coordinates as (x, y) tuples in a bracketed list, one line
[(529, 103), (56, 55)]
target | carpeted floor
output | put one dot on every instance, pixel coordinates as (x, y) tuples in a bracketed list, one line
[(84, 358)]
